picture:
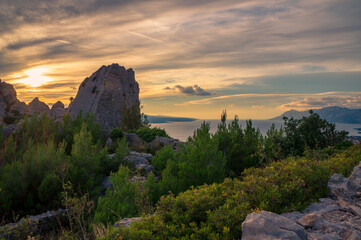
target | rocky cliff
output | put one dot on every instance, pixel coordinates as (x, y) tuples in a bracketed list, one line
[(9, 104), (105, 94)]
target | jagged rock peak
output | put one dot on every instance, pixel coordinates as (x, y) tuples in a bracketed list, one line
[(37, 106), (9, 104), (105, 93), (58, 104)]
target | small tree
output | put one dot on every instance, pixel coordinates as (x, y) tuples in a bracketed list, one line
[(132, 118)]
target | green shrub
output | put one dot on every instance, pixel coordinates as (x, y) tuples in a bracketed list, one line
[(119, 201), (161, 158), (148, 134), (116, 134), (217, 211)]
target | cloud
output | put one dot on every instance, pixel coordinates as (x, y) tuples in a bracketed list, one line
[(258, 106), (263, 46), (29, 43), (321, 102), (190, 90)]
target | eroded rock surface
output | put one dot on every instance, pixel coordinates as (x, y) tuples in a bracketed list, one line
[(268, 225), (125, 222), (336, 217), (57, 111), (105, 94), (37, 106)]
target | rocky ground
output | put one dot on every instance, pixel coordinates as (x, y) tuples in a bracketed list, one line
[(333, 218)]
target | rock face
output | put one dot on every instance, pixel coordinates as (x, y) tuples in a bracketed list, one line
[(125, 222), (57, 111), (267, 225), (39, 224), (336, 217), (9, 104), (105, 94), (37, 106)]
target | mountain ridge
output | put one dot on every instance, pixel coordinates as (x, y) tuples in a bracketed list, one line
[(333, 114)]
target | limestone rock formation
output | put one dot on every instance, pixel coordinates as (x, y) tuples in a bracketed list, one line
[(9, 104), (336, 217), (57, 111), (267, 225), (126, 222), (105, 94), (37, 106)]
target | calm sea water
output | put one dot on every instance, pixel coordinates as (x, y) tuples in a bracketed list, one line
[(182, 130)]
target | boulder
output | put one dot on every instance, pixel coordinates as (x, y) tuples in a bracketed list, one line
[(125, 222), (37, 106), (9, 104), (268, 225), (106, 93), (160, 142), (141, 160), (57, 111)]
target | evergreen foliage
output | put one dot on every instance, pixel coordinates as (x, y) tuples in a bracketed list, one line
[(119, 201), (217, 211)]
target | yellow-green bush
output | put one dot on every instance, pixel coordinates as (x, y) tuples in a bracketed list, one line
[(217, 211)]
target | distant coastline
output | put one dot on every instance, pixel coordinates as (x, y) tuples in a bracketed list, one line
[(168, 119)]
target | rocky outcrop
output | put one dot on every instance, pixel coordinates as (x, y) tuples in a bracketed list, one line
[(267, 225), (57, 111), (141, 160), (125, 222), (159, 142), (9, 104), (336, 217), (37, 106), (34, 225), (105, 94)]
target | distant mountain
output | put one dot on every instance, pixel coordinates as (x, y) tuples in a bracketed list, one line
[(331, 114), (165, 119)]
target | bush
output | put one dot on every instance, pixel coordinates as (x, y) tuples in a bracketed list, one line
[(119, 201), (217, 211), (116, 134), (148, 134)]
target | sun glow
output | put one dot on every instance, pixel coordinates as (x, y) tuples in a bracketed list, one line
[(36, 77)]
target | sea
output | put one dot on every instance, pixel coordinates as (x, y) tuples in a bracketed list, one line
[(182, 130)]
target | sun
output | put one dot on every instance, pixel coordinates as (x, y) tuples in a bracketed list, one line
[(36, 77)]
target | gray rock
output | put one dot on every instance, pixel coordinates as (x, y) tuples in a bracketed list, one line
[(57, 111), (105, 185), (337, 183), (321, 208), (105, 94), (160, 142), (294, 216), (355, 179), (133, 140), (267, 225), (308, 220), (141, 160), (125, 222), (37, 106)]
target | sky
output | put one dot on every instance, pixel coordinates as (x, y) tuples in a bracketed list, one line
[(256, 59)]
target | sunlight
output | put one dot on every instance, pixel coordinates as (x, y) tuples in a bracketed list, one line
[(36, 77)]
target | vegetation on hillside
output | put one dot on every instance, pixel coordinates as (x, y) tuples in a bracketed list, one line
[(205, 189), (217, 211)]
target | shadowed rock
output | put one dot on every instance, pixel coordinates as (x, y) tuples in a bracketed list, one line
[(37, 106), (57, 111), (105, 94)]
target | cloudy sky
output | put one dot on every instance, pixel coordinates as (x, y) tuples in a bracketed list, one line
[(256, 59)]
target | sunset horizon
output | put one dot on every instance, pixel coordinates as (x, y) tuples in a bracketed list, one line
[(254, 59)]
